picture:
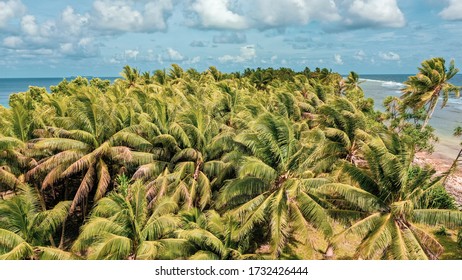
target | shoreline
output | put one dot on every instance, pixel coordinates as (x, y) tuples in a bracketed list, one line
[(441, 163)]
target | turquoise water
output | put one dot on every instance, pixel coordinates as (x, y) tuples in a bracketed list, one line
[(375, 86), (443, 120)]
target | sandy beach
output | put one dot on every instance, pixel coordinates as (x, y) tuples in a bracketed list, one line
[(441, 163)]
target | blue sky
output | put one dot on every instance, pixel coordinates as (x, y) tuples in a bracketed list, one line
[(98, 37)]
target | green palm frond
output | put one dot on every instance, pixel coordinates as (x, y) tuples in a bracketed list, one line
[(279, 223), (314, 213), (449, 218), (48, 221), (254, 167), (377, 239), (363, 199), (60, 144), (49, 253), (19, 252), (255, 213), (204, 239), (204, 255), (113, 247), (236, 191)]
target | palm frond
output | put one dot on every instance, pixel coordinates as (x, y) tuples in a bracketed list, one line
[(49, 253), (361, 198), (449, 218)]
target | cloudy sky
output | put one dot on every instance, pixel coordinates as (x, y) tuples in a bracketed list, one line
[(51, 38)]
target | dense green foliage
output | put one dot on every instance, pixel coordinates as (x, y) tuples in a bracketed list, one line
[(189, 165)]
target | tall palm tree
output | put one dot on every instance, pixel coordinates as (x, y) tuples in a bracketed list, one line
[(425, 88), (122, 226), (389, 197), (352, 82), (24, 228), (273, 188), (131, 76)]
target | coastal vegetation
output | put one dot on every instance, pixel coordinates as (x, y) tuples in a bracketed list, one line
[(259, 164)]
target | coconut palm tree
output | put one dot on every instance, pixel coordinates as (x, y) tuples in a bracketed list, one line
[(425, 88), (389, 197), (12, 163), (24, 227), (186, 173), (131, 76), (93, 144), (210, 236), (352, 82), (339, 135), (273, 188), (122, 226)]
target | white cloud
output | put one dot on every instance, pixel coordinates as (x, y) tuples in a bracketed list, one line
[(155, 13), (131, 54), (12, 42), (195, 60), (217, 14), (66, 48), (389, 56), (246, 53), (174, 55), (360, 55), (383, 13), (114, 61), (72, 22), (10, 10), (453, 11), (275, 13), (338, 59), (243, 14), (123, 16), (29, 26)]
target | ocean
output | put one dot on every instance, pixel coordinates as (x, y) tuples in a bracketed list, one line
[(443, 120), (375, 86)]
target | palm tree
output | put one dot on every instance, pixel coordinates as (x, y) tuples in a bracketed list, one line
[(210, 236), (24, 228), (184, 173), (424, 89), (352, 82), (340, 134), (93, 145), (389, 199), (273, 188), (122, 226), (12, 163), (131, 76)]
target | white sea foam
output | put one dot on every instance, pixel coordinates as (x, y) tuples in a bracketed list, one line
[(386, 84), (391, 84), (371, 80)]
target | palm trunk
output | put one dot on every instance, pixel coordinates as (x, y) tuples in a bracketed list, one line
[(453, 167), (63, 229), (430, 112), (44, 208)]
